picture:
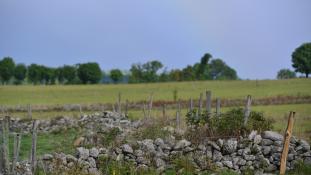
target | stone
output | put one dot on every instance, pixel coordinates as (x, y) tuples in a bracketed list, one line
[(249, 157), (227, 164), (127, 149), (230, 146), (220, 142), (266, 142), (217, 156), (214, 145), (252, 135), (94, 152), (272, 136), (304, 144), (159, 142), (266, 150), (92, 162), (83, 153), (47, 157), (182, 144), (78, 141), (148, 145), (257, 139), (159, 162), (94, 171)]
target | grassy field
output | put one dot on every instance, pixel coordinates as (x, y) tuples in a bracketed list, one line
[(89, 94)]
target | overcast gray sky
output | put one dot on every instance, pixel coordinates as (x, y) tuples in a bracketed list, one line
[(254, 37)]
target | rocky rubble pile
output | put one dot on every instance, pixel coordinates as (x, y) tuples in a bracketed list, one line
[(260, 153)]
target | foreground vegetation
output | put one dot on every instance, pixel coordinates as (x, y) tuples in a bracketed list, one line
[(90, 94)]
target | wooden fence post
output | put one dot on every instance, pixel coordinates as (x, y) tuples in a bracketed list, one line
[(178, 115), (287, 136), (150, 105), (80, 109), (247, 109), (190, 104), (164, 111), (144, 110), (208, 102), (34, 146), (5, 145), (126, 107), (16, 149), (119, 103), (217, 106), (29, 111), (200, 104)]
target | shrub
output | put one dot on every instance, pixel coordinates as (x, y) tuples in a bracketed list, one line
[(230, 123)]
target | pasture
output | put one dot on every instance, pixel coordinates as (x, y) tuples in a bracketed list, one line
[(90, 94)]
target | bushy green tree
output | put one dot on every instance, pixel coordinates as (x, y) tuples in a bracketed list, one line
[(34, 73), (67, 74), (116, 75), (20, 72), (285, 74), (301, 59), (201, 69), (219, 70), (89, 73), (147, 72), (7, 66)]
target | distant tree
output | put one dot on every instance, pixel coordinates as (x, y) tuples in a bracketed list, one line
[(150, 70), (301, 59), (69, 73), (201, 69), (164, 76), (188, 73), (89, 73), (175, 75), (34, 73), (285, 74), (20, 73), (219, 70), (147, 72), (7, 66), (116, 75)]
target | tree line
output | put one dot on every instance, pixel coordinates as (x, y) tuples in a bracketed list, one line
[(91, 73)]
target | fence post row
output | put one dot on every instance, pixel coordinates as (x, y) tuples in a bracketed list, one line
[(34, 146), (247, 110), (208, 102), (287, 136)]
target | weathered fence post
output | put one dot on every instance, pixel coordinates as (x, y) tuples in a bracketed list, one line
[(29, 111), (16, 149), (164, 111), (200, 104), (34, 146), (287, 136), (113, 108), (247, 109), (119, 103), (178, 115), (208, 102), (150, 105), (217, 106), (80, 109), (144, 110), (190, 104), (5, 144), (126, 107)]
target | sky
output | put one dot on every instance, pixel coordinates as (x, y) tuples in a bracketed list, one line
[(254, 37)]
